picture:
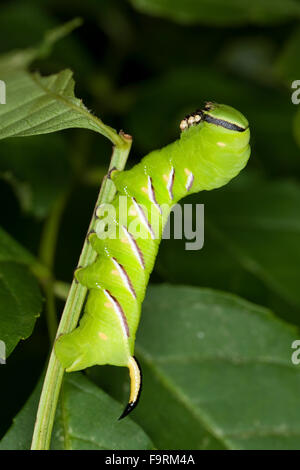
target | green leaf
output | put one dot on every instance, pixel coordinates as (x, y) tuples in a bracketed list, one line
[(87, 418), (20, 301), (39, 105), (20, 296), (220, 12), (255, 226), (218, 372)]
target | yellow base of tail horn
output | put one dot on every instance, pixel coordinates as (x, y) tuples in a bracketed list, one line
[(135, 374)]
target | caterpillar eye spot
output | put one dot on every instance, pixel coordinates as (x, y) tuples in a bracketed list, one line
[(132, 212), (102, 336)]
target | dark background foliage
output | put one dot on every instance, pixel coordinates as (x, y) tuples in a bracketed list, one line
[(141, 70)]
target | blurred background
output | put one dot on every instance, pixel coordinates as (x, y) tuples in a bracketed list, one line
[(141, 66)]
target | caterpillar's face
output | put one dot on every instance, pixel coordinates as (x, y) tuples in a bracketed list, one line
[(216, 138)]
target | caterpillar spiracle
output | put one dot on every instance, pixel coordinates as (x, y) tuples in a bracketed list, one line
[(212, 149)]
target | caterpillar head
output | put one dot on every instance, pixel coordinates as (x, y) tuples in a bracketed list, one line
[(216, 138)]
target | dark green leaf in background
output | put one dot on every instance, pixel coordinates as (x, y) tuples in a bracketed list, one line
[(286, 66), (21, 304), (12, 251), (218, 12), (37, 169), (20, 297), (218, 372), (86, 420), (253, 224)]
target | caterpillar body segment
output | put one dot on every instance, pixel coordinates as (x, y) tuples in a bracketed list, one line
[(212, 149)]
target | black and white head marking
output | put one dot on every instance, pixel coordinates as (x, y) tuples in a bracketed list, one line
[(204, 115), (196, 117)]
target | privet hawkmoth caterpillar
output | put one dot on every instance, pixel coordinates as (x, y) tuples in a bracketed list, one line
[(212, 149)]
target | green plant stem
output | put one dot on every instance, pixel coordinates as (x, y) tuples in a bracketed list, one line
[(69, 319)]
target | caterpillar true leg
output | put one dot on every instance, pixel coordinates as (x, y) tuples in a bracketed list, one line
[(212, 149)]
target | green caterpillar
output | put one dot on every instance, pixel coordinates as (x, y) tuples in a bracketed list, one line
[(212, 149)]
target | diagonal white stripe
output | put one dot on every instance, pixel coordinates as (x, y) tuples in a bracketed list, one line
[(151, 193), (136, 250), (118, 310), (171, 182), (124, 277), (143, 218), (189, 182)]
